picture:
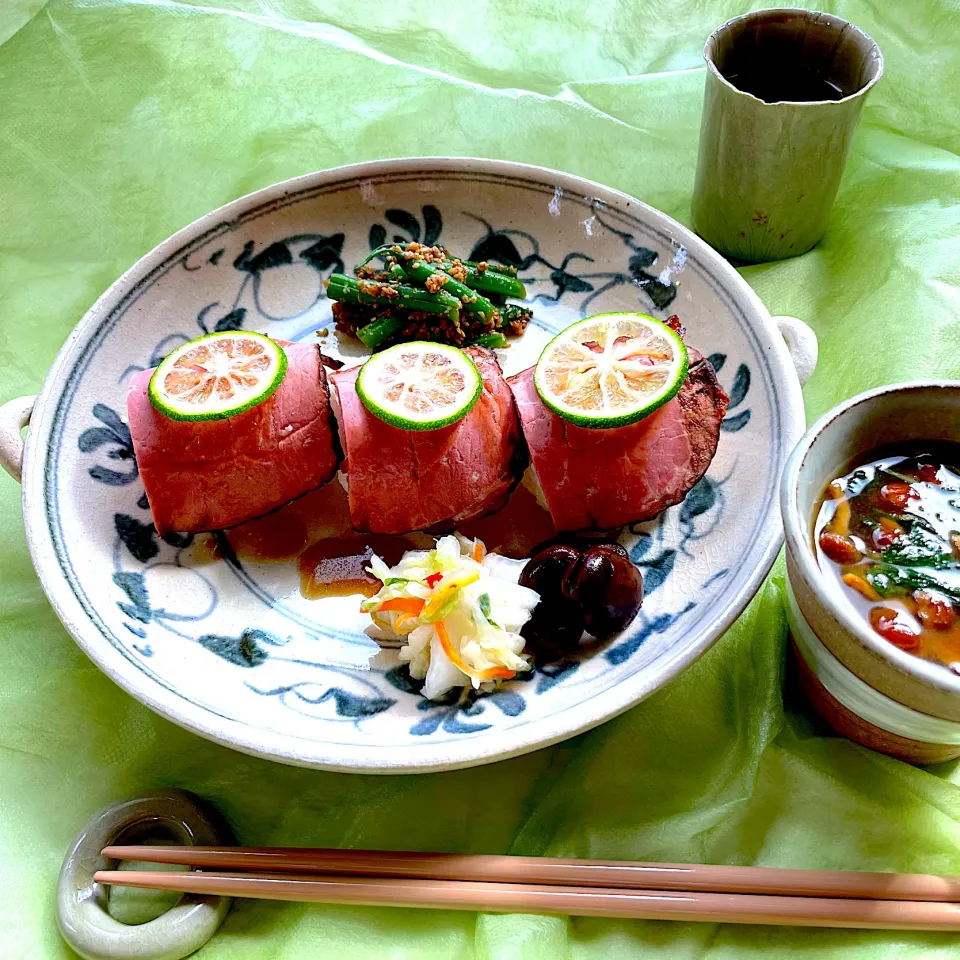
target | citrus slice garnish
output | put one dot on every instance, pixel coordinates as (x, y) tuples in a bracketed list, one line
[(217, 376), (611, 369), (419, 385)]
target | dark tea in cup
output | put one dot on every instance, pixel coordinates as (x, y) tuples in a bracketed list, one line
[(784, 93)]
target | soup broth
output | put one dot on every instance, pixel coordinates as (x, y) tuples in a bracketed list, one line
[(888, 535)]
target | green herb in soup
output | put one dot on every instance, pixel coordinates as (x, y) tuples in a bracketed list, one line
[(889, 532)]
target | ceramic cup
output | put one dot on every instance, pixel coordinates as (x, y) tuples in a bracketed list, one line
[(866, 688), (768, 172)]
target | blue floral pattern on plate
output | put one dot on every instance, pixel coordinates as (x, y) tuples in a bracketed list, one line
[(232, 640), (459, 712)]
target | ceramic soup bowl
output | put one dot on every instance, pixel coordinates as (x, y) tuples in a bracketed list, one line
[(868, 689), (228, 647)]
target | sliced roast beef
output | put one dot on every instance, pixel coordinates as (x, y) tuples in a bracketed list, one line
[(217, 473), (399, 480), (606, 478)]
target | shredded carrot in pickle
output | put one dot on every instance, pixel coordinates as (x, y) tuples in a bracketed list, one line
[(495, 673), (443, 594), (478, 550), (402, 604), (492, 673), (398, 626)]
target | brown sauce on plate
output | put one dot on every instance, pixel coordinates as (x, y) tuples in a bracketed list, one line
[(284, 534), (887, 533), (516, 529), (337, 566), (332, 559)]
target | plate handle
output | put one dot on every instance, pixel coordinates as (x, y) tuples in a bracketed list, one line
[(14, 416), (801, 343)]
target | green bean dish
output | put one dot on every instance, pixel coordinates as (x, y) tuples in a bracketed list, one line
[(425, 293)]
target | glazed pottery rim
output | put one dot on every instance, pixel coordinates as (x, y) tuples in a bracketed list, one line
[(268, 744), (859, 92), (797, 532), (856, 695)]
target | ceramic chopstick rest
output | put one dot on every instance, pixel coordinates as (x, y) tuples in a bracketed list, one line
[(170, 816)]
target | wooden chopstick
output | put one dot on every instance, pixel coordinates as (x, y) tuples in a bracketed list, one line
[(564, 900), (629, 875)]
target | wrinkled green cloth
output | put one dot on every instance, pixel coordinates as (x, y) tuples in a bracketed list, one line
[(122, 121)]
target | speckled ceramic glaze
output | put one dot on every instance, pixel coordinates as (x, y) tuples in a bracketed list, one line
[(230, 649), (768, 173), (907, 706), (163, 816)]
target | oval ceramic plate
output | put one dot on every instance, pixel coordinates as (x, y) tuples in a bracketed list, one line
[(229, 648)]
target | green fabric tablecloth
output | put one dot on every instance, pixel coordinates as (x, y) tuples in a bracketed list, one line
[(122, 121)]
